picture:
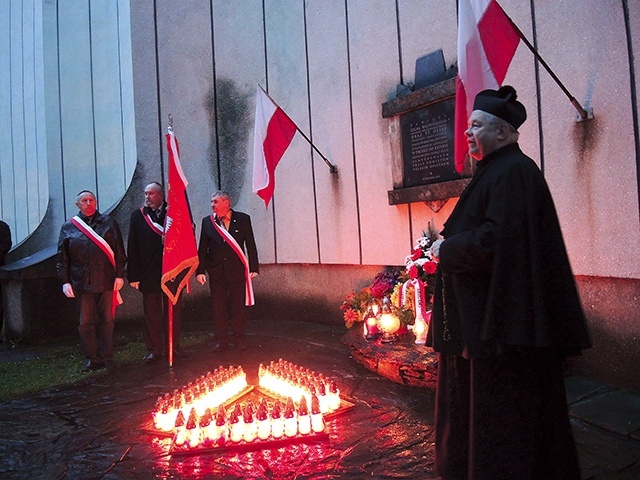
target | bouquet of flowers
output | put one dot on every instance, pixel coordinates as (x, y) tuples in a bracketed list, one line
[(355, 305), (420, 265)]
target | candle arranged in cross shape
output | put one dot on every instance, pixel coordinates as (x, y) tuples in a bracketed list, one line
[(188, 412)]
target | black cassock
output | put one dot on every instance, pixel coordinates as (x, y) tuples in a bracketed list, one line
[(506, 314)]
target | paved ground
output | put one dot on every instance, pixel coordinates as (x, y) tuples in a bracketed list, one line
[(99, 428)]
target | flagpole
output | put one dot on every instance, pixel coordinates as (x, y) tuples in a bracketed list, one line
[(584, 113), (170, 331), (332, 167), (169, 302)]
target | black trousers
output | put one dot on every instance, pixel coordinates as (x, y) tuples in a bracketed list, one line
[(228, 304), (96, 325), (504, 418), (156, 313)]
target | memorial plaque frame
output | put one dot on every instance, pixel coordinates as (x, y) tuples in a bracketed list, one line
[(430, 104)]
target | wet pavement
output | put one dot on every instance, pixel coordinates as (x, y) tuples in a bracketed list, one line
[(100, 428)]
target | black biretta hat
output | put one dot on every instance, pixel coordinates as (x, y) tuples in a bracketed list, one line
[(503, 104)]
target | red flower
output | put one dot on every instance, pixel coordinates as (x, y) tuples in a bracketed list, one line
[(417, 253), (351, 316), (430, 268), (412, 272)]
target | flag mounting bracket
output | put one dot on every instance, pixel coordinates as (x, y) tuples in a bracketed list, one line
[(584, 113), (170, 126), (332, 167)]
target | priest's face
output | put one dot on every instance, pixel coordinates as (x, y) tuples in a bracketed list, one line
[(482, 134)]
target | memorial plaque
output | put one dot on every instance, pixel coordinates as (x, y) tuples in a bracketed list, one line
[(427, 144)]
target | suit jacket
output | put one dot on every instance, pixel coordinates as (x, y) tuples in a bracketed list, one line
[(82, 263), (217, 257), (144, 250)]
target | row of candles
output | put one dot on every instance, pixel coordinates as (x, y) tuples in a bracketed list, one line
[(209, 391), (188, 412), (286, 379), (248, 423)]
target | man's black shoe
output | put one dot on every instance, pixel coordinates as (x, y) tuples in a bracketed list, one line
[(218, 347), (89, 366), (151, 358)]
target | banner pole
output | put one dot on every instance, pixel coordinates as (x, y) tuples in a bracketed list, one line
[(170, 331)]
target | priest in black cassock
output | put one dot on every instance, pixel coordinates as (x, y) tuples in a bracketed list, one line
[(506, 314)]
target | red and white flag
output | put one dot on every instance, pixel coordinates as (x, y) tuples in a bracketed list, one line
[(487, 41), (273, 133), (180, 256)]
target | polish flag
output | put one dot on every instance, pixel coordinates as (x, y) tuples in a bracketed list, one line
[(487, 41), (273, 133)]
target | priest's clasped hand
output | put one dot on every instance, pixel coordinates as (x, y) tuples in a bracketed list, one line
[(435, 249)]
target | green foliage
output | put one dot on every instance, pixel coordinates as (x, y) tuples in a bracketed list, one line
[(60, 366)]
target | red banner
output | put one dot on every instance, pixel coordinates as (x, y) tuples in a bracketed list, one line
[(180, 257)]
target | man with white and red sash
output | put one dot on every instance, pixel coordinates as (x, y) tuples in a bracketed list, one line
[(144, 271), (227, 253), (91, 265)]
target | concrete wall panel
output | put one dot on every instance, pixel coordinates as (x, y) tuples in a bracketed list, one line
[(294, 203), (240, 67), (76, 100), (186, 81), (374, 66), (7, 204), (40, 131), (148, 124), (330, 99), (110, 161), (589, 165), (18, 128), (31, 171)]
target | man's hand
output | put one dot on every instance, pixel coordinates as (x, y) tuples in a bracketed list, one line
[(253, 274), (67, 289), (201, 278), (118, 283), (135, 285)]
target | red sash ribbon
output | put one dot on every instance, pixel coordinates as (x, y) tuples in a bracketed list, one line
[(419, 304), (104, 246), (156, 227), (249, 299)]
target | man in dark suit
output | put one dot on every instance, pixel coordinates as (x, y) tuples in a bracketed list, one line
[(225, 237), (145, 246)]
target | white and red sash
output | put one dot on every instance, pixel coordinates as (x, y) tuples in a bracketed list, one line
[(104, 246), (156, 227), (249, 299), (419, 303)]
